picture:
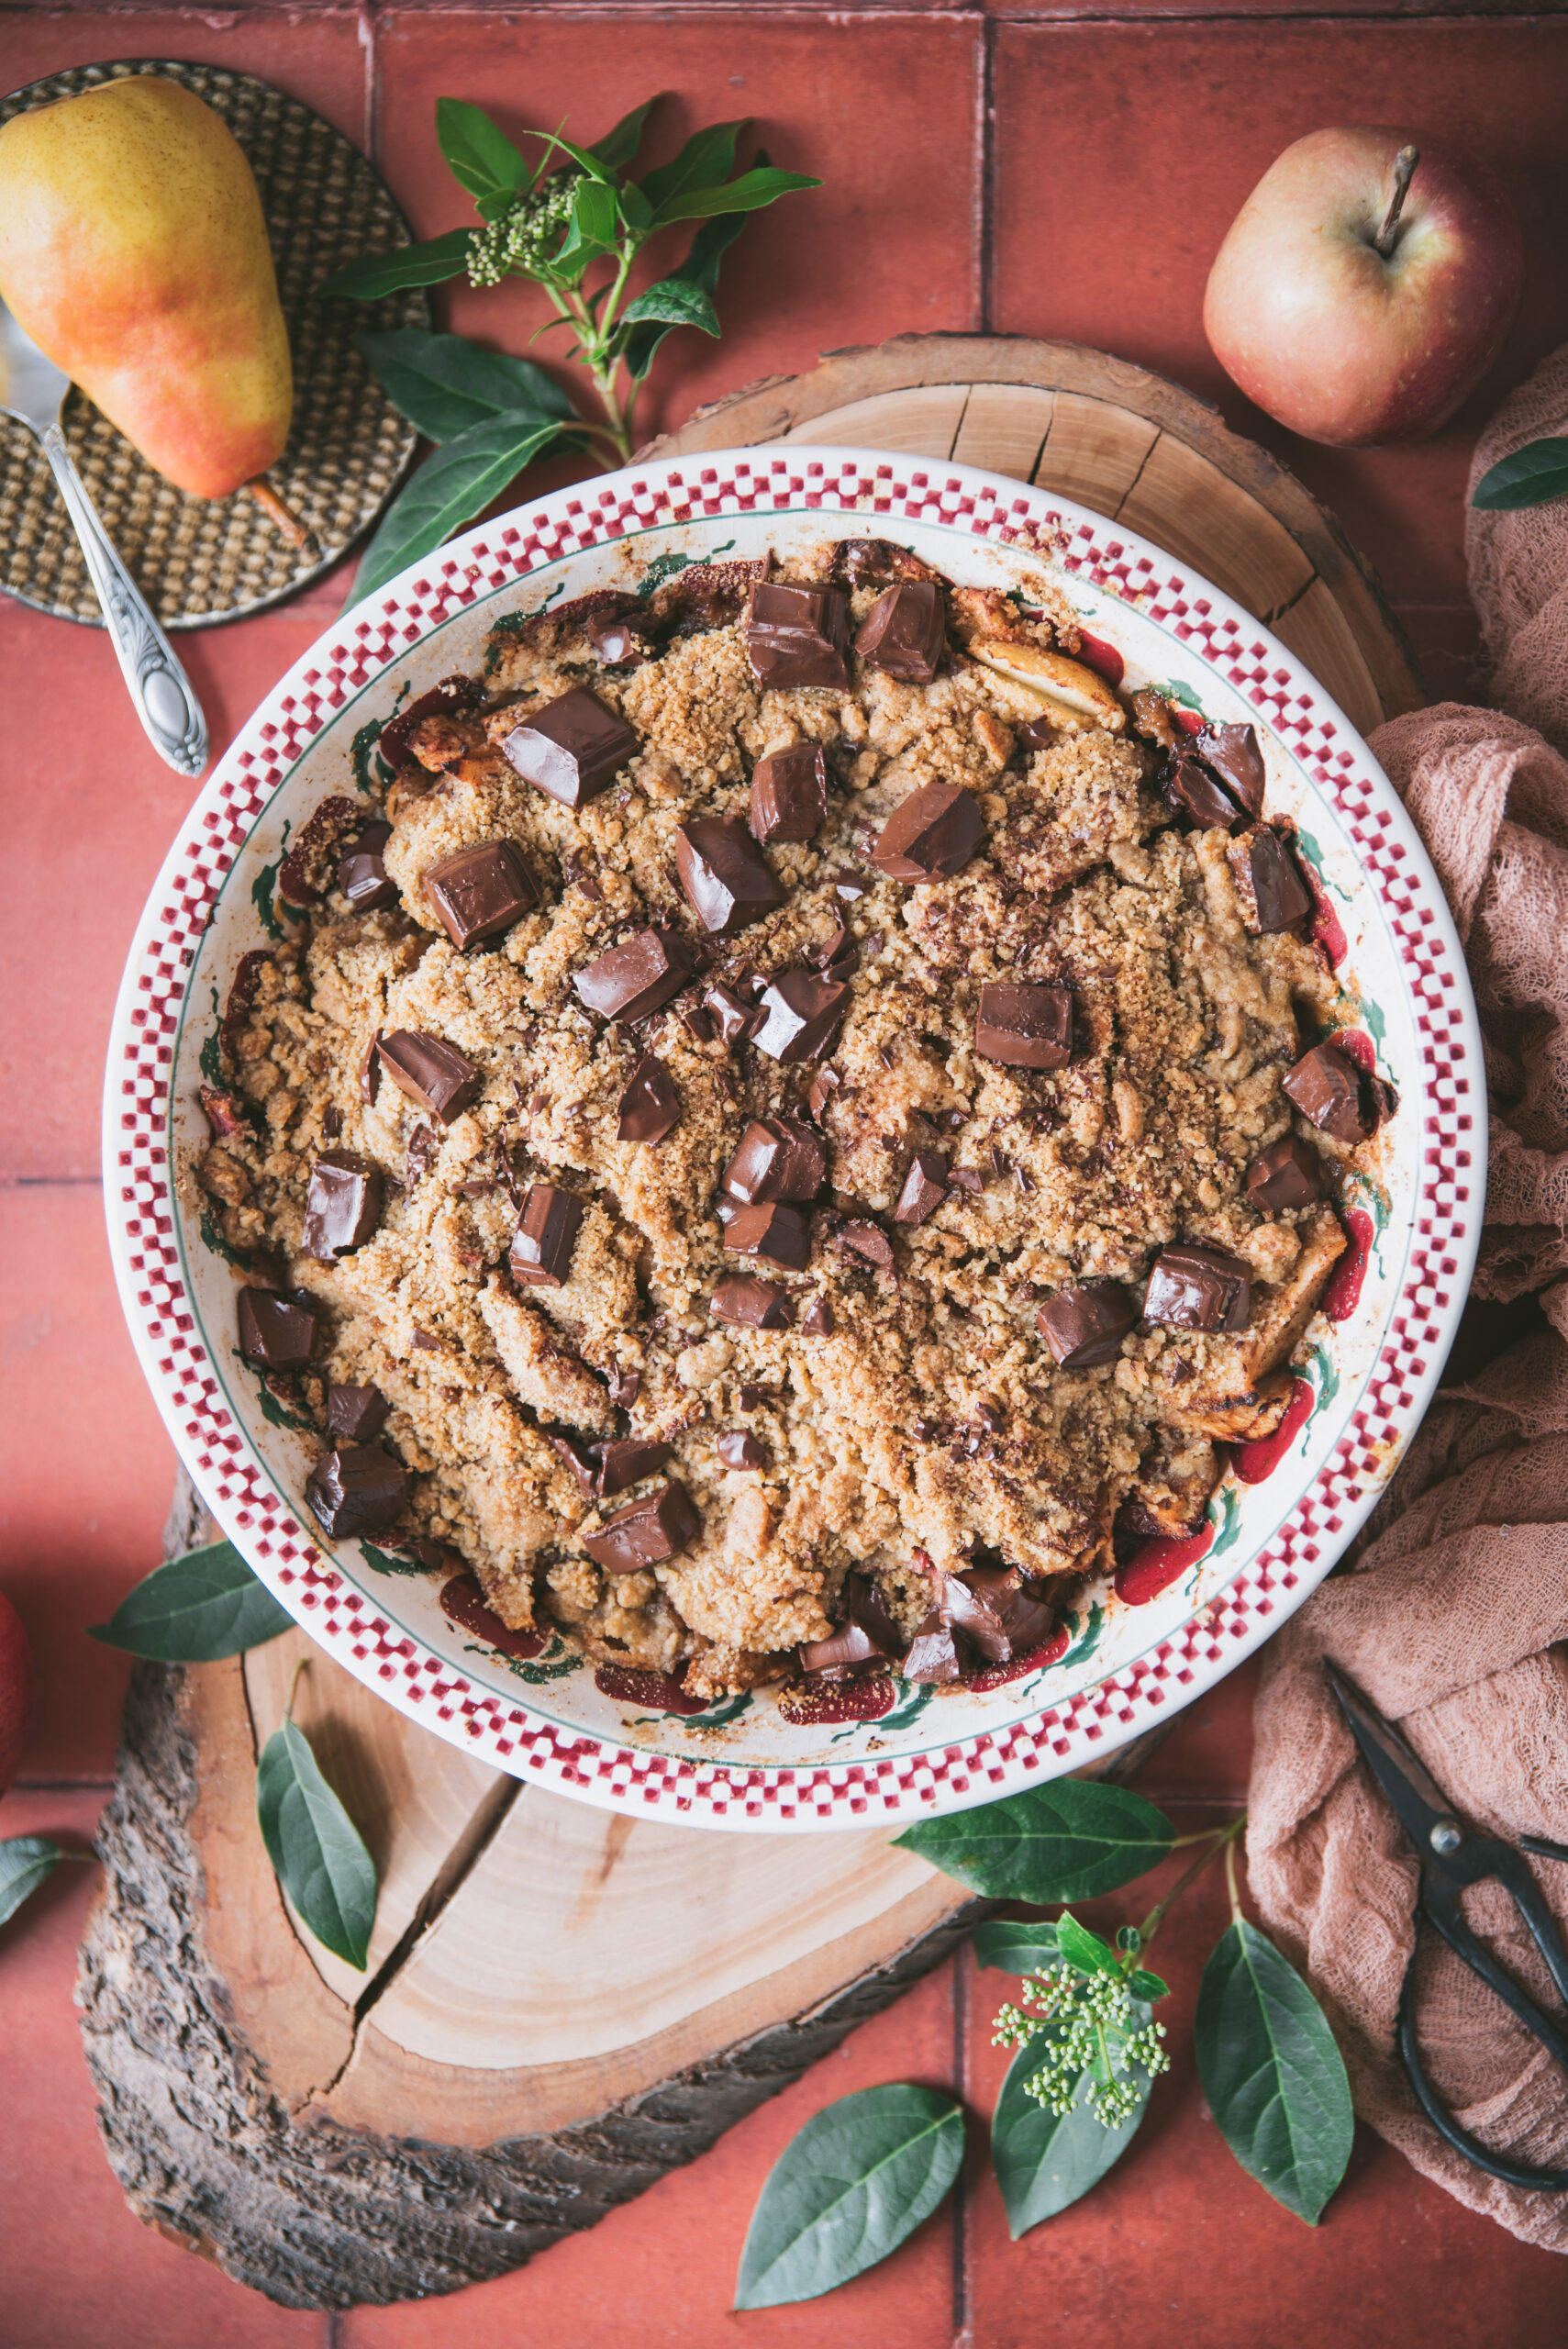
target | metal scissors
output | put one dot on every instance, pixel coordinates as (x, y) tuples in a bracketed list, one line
[(1452, 1855)]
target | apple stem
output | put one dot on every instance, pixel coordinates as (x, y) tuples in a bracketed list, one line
[(283, 517), (1405, 164)]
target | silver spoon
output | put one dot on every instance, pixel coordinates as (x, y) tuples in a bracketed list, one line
[(33, 390)]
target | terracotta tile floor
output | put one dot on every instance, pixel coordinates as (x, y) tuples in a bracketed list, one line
[(1013, 166)]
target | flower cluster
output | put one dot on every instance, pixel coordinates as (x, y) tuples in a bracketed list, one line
[(1094, 2039), (526, 236)]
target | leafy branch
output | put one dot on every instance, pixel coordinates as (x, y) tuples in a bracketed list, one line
[(574, 223)]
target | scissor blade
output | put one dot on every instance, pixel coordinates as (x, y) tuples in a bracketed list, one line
[(1409, 1786)]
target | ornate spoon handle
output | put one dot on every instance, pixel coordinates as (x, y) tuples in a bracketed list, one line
[(159, 688)]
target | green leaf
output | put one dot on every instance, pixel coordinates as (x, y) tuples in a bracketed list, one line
[(673, 301), (618, 146), (1274, 2079), (317, 1851), (1531, 477), (1146, 1985), (443, 383), (373, 274), (750, 193), (456, 484), (584, 157), (1015, 1949), (591, 231), (478, 152), (1046, 2160), (25, 1860), (192, 1611), (700, 269), (850, 2188), (1078, 1946), (1068, 1841), (707, 160)]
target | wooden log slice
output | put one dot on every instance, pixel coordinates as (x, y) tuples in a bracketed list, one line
[(1132, 445)]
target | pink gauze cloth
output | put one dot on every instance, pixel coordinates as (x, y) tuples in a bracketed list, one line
[(1451, 1621)]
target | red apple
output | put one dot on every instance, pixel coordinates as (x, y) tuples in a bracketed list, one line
[(15, 1690), (1358, 297)]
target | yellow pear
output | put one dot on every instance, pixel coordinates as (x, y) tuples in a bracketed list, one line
[(133, 250)]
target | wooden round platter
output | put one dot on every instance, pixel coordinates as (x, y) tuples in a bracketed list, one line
[(499, 2078)]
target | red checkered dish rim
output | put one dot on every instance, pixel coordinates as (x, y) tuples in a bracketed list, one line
[(872, 1789)]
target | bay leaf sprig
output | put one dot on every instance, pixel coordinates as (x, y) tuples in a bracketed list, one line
[(195, 1609), (1532, 475), (318, 1852), (25, 1862), (573, 222)]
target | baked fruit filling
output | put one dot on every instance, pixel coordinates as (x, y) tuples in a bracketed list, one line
[(787, 1125)]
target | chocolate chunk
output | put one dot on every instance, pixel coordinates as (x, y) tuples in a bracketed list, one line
[(994, 1611), (778, 1158), (573, 748), (1233, 753), (735, 1017), (277, 1332), (905, 630), (369, 1071), (448, 700), (546, 1235), (1273, 895), (1189, 788), (660, 1526), (1025, 1025), (868, 1632), (739, 1448), (1330, 1092), (222, 1111), (932, 1661), (480, 891), (355, 1413), (796, 636), (625, 1387), (789, 794), (431, 1072), (331, 1121), (1200, 1288), (359, 1488), (424, 1148), (613, 640), (627, 1461), (342, 1206), (936, 830), (925, 1188), (650, 1106), (780, 1235), (967, 1178), (817, 1320), (362, 877), (749, 1302), (725, 877), (636, 977), (802, 1013), (1086, 1324), (867, 1239), (838, 1655), (583, 1463), (1288, 1173), (1037, 735), (823, 1087), (752, 1397)]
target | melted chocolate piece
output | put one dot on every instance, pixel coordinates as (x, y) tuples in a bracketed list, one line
[(355, 1413), (868, 1632), (749, 1302), (1273, 895), (778, 1158), (935, 831), (925, 1188), (866, 1240), (932, 1661), (480, 891), (369, 1071), (1086, 1324), (613, 640), (362, 877), (222, 1111), (342, 1206), (636, 977), (277, 1332), (359, 1488), (1288, 1173), (572, 750), (1189, 788), (739, 1448), (801, 1015), (627, 1461), (1233, 753), (1024, 1024), (584, 1465), (448, 700), (546, 1235), (905, 630), (789, 794), (1200, 1288), (650, 1106), (424, 1149), (780, 1235), (823, 1087), (796, 636), (817, 1320), (1330, 1092), (432, 1073), (735, 1017), (727, 879), (660, 1526)]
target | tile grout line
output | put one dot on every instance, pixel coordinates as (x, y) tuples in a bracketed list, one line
[(961, 2332)]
